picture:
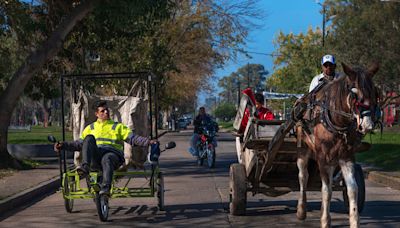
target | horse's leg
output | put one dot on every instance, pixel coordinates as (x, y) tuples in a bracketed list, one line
[(326, 173), (352, 190), (302, 162)]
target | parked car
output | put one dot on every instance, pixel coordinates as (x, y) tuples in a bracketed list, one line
[(182, 123)]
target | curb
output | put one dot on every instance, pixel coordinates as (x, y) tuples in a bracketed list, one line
[(384, 179), (29, 195)]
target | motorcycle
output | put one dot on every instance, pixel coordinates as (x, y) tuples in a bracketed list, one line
[(206, 146)]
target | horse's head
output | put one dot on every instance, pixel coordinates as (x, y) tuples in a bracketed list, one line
[(362, 99)]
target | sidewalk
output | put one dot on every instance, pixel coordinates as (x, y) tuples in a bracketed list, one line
[(25, 186)]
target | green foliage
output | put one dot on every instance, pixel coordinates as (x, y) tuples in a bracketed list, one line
[(38, 135), (297, 61), (384, 152), (226, 125), (225, 111), (368, 31), (249, 75)]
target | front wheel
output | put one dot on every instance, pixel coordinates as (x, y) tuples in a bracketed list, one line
[(200, 158), (102, 206), (359, 176), (211, 156), (68, 187)]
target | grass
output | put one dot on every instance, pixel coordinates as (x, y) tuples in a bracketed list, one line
[(38, 135), (226, 125), (385, 151)]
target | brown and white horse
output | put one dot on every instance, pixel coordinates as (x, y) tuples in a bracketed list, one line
[(343, 108)]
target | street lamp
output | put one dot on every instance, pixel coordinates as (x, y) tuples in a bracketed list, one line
[(323, 21), (248, 76)]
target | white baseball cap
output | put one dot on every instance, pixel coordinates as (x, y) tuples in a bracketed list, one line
[(328, 58)]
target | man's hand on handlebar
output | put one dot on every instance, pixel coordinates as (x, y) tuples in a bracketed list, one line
[(153, 141), (58, 146)]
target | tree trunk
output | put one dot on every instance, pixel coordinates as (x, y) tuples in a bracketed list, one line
[(33, 63), (45, 107)]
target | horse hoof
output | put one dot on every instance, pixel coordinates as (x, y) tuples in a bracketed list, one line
[(301, 215)]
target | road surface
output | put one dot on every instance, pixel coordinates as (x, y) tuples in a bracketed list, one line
[(198, 197)]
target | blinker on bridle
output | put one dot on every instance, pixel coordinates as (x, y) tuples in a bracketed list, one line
[(360, 108)]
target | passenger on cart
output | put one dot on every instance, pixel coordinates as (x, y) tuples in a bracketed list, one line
[(261, 112), (303, 105), (328, 65), (202, 120), (101, 144)]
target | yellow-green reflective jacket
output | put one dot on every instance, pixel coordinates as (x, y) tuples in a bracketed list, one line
[(108, 133)]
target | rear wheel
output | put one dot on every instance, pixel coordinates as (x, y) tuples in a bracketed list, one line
[(160, 191), (68, 187), (211, 156), (102, 206), (237, 189), (359, 176)]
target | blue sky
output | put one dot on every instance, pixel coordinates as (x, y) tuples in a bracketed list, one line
[(280, 15)]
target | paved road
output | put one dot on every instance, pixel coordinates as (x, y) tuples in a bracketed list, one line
[(198, 196)]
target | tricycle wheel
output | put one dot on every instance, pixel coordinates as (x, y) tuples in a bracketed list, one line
[(359, 176), (160, 191), (211, 156), (237, 189), (102, 206), (68, 187)]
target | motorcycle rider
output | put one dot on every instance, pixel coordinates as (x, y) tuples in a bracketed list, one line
[(202, 119)]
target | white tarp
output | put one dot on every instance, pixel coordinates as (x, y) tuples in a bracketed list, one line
[(131, 111)]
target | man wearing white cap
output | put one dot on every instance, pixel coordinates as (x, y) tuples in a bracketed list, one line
[(328, 71)]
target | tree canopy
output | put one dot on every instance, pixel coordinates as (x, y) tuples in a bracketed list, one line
[(249, 75), (359, 32), (182, 42)]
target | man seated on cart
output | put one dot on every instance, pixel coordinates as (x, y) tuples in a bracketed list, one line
[(261, 112), (202, 119), (101, 144)]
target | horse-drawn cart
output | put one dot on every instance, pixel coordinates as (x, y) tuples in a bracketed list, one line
[(267, 154)]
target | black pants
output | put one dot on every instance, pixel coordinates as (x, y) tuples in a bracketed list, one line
[(99, 158)]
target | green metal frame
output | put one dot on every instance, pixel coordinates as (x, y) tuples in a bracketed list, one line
[(76, 191)]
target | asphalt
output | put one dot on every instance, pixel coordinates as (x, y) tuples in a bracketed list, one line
[(28, 186)]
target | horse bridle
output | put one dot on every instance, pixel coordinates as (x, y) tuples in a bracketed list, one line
[(358, 110)]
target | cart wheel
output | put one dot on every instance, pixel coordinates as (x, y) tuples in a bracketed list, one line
[(68, 187), (359, 176), (238, 189), (160, 191), (102, 206), (211, 156)]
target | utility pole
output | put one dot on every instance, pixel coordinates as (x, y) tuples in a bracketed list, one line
[(238, 93), (323, 24), (248, 75), (323, 21)]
